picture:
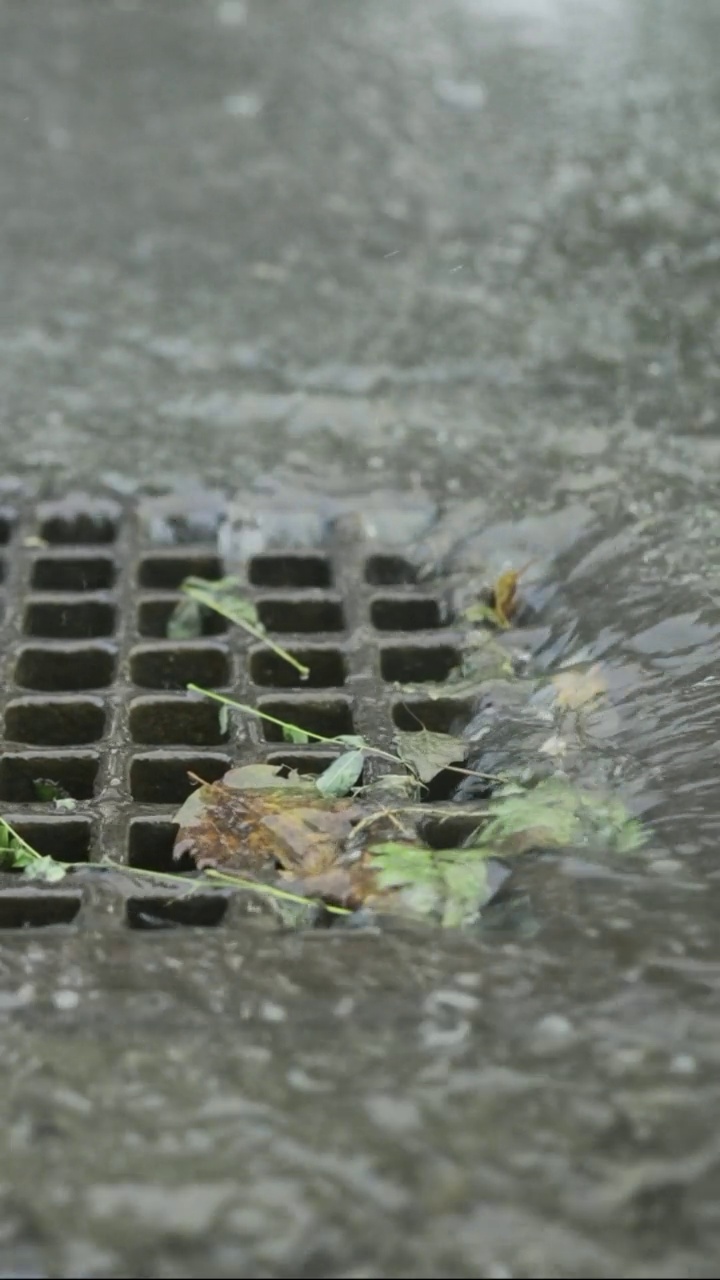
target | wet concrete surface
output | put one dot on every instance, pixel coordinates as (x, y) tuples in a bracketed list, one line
[(470, 248)]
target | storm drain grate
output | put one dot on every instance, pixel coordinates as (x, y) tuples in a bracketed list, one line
[(93, 694)]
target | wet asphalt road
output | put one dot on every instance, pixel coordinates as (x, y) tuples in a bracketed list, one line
[(317, 236), (330, 244)]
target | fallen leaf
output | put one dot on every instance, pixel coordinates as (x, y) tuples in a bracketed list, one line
[(255, 776), (556, 814), (340, 776), (502, 604), (413, 880), (427, 754), (47, 789), (406, 878), (257, 822), (291, 733), (185, 621), (17, 855), (504, 596), (224, 596), (44, 868), (576, 688)]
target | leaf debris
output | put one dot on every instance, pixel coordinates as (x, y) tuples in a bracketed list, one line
[(224, 596)]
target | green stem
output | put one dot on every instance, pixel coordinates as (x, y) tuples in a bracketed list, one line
[(190, 885), (206, 598), (284, 724), (275, 892), (23, 843)]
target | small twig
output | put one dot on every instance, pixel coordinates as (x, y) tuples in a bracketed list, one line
[(428, 810)]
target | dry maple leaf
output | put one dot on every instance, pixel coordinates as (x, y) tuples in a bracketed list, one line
[(257, 831)]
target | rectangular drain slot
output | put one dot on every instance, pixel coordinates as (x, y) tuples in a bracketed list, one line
[(164, 778), (289, 570), (73, 573), (55, 722), (65, 839), (150, 846), (35, 909), (70, 668), (408, 664), (172, 721), (192, 909), (154, 616), (69, 620), (21, 775), (173, 666), (326, 668), (327, 717)]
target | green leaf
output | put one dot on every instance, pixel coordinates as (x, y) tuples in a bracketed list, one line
[(44, 868), (291, 733), (555, 814), (451, 883), (427, 754), (12, 857), (340, 777), (11, 842), (46, 789), (466, 884), (224, 596), (185, 621), (17, 854), (352, 740)]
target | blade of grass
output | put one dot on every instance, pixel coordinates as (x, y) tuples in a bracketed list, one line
[(190, 885), (274, 892), (33, 853), (207, 599), (284, 724)]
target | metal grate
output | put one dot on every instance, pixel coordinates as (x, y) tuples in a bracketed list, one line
[(93, 694)]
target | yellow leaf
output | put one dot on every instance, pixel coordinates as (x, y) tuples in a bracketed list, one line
[(577, 689), (504, 596)]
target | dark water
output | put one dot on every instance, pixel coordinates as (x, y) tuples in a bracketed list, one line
[(469, 250)]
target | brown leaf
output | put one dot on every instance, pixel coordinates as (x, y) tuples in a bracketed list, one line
[(257, 830)]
